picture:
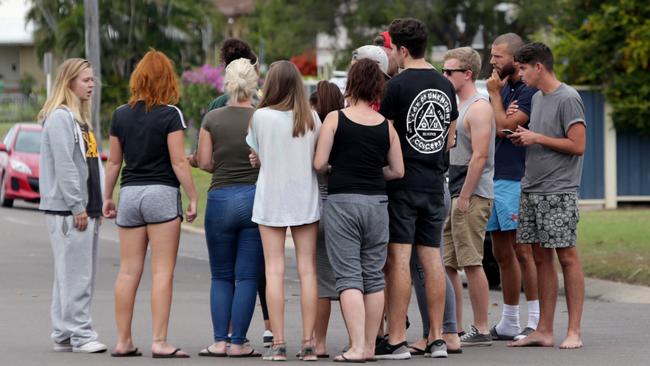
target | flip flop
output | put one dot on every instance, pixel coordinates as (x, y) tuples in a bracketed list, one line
[(455, 351), (415, 351), (345, 359), (324, 355), (499, 337), (131, 353), (207, 353), (170, 355), (252, 353)]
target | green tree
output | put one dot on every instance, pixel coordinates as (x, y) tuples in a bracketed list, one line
[(449, 22), (607, 43), (128, 28), (287, 28)]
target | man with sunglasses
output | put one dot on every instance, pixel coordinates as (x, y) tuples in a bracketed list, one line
[(515, 261), (421, 103), (471, 168)]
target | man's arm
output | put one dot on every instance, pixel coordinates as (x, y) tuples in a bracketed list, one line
[(480, 128), (451, 136), (503, 120), (573, 144)]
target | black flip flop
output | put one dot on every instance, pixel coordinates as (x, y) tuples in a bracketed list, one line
[(498, 337), (455, 351), (207, 353), (345, 359), (324, 355), (170, 355), (131, 353), (415, 351), (252, 353)]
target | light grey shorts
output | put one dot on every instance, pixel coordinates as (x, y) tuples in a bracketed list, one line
[(356, 236), (151, 204)]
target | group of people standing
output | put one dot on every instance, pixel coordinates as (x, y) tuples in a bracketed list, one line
[(358, 177)]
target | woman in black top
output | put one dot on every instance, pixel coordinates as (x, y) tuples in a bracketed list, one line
[(354, 144), (147, 133)]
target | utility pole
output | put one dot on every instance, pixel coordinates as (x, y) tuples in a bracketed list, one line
[(91, 17)]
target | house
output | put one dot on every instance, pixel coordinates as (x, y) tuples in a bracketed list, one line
[(17, 53)]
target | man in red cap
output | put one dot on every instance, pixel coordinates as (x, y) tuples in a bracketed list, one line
[(383, 40)]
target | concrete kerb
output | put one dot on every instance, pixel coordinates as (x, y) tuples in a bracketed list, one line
[(597, 289)]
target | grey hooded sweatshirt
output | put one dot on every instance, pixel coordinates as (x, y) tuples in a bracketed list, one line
[(63, 168)]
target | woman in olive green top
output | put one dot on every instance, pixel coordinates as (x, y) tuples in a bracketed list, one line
[(234, 243)]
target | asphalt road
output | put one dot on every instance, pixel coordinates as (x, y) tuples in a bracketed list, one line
[(614, 333)]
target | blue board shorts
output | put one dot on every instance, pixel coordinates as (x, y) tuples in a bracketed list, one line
[(505, 209)]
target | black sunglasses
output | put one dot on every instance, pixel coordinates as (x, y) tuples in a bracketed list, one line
[(448, 72)]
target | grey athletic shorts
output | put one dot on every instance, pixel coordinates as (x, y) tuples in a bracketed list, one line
[(144, 205), (356, 237)]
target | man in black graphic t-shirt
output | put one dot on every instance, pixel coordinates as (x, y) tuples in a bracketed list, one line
[(422, 105)]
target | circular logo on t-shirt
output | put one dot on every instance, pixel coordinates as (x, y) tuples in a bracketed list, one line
[(427, 121)]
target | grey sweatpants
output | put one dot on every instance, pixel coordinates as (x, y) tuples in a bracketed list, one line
[(75, 259), (417, 277)]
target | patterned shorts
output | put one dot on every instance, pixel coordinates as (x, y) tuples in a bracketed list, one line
[(548, 219)]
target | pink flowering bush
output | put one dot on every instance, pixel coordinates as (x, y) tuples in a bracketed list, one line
[(200, 86)]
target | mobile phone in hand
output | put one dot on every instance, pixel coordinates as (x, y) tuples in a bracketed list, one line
[(507, 131)]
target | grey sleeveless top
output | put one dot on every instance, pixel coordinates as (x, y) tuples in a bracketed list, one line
[(460, 156)]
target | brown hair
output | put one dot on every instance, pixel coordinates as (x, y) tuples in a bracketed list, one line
[(154, 81), (365, 81), (468, 58), (326, 98), (285, 91)]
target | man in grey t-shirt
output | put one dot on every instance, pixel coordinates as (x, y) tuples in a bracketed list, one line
[(549, 202)]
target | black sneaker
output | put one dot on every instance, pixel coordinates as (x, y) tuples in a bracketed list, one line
[(387, 351), (474, 338)]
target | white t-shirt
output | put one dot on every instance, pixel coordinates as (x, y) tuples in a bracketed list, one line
[(287, 188)]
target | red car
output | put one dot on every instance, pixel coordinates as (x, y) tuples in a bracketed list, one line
[(19, 160)]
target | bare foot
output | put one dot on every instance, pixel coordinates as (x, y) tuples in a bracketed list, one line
[(238, 350), (418, 346), (452, 340), (164, 348), (572, 341), (123, 348), (535, 339)]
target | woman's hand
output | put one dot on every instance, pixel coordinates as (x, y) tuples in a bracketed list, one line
[(190, 212), (81, 221), (108, 210)]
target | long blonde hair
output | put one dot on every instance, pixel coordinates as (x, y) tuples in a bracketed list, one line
[(63, 95), (285, 91)]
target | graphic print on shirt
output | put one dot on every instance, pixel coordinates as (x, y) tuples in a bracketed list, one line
[(428, 120), (91, 144)]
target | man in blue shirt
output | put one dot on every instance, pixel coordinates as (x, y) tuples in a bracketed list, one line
[(506, 88)]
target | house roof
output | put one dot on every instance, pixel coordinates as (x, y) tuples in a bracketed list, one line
[(15, 30)]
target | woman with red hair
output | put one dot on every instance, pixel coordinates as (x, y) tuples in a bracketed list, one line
[(147, 134)]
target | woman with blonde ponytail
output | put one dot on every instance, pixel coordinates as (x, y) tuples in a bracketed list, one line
[(71, 176), (234, 243), (283, 134)]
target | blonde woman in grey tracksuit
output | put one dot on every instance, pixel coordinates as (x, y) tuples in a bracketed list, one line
[(70, 184)]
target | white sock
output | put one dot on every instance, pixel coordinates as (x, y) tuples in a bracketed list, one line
[(509, 323), (533, 314)]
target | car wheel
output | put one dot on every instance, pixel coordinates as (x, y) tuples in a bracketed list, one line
[(3, 200)]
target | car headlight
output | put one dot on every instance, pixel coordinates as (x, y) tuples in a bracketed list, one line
[(20, 166)]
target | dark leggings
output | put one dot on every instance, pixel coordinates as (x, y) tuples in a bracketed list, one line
[(261, 292)]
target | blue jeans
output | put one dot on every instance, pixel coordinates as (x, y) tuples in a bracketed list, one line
[(236, 260)]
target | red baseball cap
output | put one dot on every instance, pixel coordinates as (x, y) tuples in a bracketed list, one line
[(387, 40)]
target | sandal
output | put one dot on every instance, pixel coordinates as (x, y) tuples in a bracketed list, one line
[(308, 352)]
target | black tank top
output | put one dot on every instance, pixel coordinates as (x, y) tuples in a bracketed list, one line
[(358, 157)]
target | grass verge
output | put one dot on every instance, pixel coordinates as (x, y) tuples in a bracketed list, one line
[(615, 245)]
